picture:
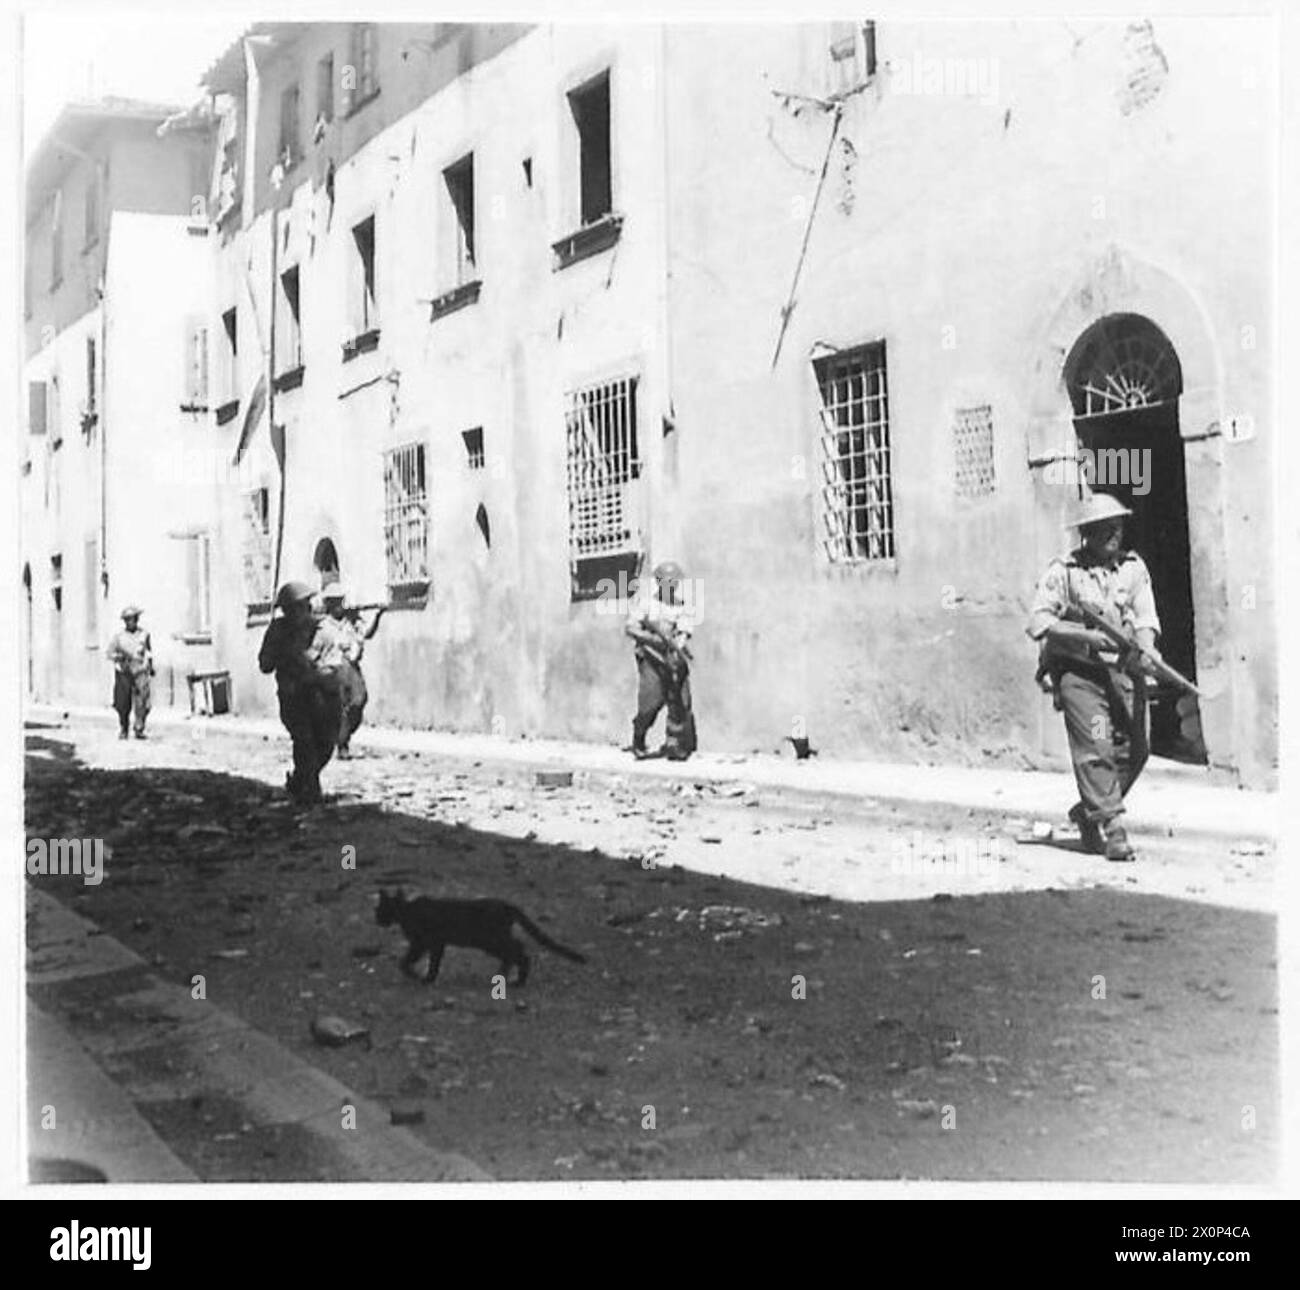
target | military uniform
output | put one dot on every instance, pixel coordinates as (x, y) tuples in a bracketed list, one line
[(354, 694), (347, 644), (299, 654), (663, 675), (131, 653), (1103, 706)]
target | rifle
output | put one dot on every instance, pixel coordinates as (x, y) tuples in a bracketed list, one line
[(1128, 645), (674, 658)]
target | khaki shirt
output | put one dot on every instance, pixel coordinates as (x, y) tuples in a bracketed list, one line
[(129, 651), (336, 642), (1120, 591), (675, 622)]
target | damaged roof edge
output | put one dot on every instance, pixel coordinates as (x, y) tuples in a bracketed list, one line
[(227, 72)]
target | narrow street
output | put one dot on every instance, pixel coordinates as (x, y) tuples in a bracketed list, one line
[(866, 1009)]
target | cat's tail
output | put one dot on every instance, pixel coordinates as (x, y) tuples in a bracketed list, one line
[(542, 939)]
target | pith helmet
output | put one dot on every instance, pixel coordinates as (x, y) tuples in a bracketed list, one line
[(668, 571), (1098, 507), (132, 611), (291, 593)]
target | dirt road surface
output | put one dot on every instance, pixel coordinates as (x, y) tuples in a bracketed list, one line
[(896, 993)]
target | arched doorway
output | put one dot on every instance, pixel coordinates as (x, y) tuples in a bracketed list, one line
[(28, 631), (1124, 381), (326, 560)]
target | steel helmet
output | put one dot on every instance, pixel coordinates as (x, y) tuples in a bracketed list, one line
[(669, 571), (291, 593), (1098, 507), (335, 591), (131, 611)]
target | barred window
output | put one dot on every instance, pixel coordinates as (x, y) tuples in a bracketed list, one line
[(857, 484), (603, 468), (406, 521), (972, 440), (257, 551)]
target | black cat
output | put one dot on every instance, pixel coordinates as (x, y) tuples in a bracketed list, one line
[(431, 925)]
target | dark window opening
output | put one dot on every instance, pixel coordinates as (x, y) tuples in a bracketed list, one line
[(291, 354), (484, 526), (474, 450), (365, 74), (528, 172), (289, 137), (590, 107), (92, 211), (460, 187), (365, 311), (325, 90), (326, 560), (92, 377)]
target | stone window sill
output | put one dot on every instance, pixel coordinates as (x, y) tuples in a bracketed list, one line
[(361, 344), (290, 379), (457, 298), (588, 241)]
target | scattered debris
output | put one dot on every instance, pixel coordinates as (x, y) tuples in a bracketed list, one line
[(724, 922), (335, 1032), (826, 1080), (920, 1110)]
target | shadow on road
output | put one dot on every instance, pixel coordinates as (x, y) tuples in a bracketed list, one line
[(719, 1029)]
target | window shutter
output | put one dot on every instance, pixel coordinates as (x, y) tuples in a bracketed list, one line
[(204, 584), (92, 591), (355, 293), (192, 623), (37, 407), (196, 361)]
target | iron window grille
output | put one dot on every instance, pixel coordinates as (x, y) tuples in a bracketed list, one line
[(857, 484), (603, 467), (972, 435), (406, 519)]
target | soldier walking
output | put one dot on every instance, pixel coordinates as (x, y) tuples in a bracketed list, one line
[(661, 625), (1101, 692), (296, 650), (131, 654)]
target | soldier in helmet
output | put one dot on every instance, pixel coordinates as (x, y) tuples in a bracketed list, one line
[(1101, 694), (131, 654), (661, 624), (297, 652)]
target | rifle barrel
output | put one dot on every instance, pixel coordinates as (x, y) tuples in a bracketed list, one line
[(1099, 623)]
